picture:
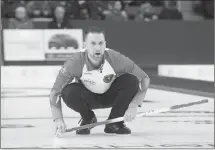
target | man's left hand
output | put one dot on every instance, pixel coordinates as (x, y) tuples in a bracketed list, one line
[(130, 114)]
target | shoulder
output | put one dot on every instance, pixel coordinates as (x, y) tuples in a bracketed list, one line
[(12, 20), (119, 62), (75, 61), (74, 64), (115, 55), (118, 58), (76, 57), (112, 53)]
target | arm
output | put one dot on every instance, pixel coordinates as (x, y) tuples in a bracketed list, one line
[(30, 24), (144, 85), (128, 66), (64, 77)]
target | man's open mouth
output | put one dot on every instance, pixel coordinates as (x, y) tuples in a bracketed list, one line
[(98, 54)]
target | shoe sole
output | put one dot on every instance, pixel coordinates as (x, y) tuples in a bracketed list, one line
[(117, 133), (82, 133)]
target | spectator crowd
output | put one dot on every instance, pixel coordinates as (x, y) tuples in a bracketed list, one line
[(20, 13)]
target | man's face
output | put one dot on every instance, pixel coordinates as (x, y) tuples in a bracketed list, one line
[(95, 45), (117, 5), (20, 12), (59, 12), (146, 8)]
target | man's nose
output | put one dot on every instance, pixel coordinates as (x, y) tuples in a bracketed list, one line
[(97, 47)]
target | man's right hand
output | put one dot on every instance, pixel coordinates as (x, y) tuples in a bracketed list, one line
[(60, 126)]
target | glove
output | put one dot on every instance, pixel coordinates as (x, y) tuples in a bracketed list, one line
[(130, 114), (60, 127)]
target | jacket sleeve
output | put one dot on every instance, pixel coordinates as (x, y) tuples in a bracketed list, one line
[(126, 65), (64, 77)]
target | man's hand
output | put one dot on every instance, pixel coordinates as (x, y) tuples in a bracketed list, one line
[(60, 126), (130, 114)]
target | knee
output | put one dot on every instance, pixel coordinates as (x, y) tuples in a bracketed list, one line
[(131, 81), (71, 92)]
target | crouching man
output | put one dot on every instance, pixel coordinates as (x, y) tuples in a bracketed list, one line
[(104, 79)]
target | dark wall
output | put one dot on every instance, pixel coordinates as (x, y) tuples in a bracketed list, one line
[(1, 49), (160, 42)]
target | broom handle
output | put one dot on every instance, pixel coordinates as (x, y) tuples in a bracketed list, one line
[(150, 112)]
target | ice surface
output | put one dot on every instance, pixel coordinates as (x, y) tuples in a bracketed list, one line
[(191, 127)]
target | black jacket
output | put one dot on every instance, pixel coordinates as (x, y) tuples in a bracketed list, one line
[(63, 25)]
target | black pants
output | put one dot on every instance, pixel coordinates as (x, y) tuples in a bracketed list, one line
[(118, 96)]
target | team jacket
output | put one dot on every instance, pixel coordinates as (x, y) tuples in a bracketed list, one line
[(79, 68)]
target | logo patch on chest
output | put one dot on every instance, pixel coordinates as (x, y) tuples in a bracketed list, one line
[(108, 78)]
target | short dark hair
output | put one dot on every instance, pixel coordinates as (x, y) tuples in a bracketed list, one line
[(93, 29)]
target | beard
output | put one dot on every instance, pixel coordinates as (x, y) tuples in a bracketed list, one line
[(96, 58)]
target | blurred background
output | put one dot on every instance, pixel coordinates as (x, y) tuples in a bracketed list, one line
[(172, 40)]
